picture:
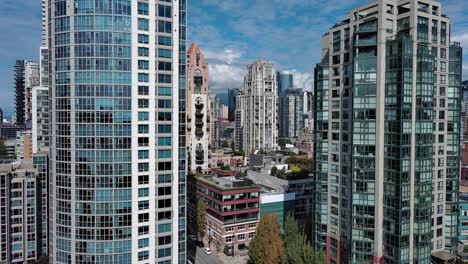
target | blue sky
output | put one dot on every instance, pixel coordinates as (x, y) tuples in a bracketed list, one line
[(231, 34)]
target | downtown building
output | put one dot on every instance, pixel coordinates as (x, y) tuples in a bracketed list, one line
[(256, 109), (387, 135), (117, 131), (23, 225), (26, 77), (291, 114), (198, 111), (285, 80)]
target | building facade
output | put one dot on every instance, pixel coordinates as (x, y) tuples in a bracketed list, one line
[(20, 208), (291, 113), (387, 135), (199, 112), (26, 77), (232, 94), (285, 80), (215, 130), (40, 119), (118, 122), (232, 210), (256, 109), (24, 145)]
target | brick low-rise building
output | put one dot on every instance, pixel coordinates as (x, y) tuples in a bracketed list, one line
[(232, 211)]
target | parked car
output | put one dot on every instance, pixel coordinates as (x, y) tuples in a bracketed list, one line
[(207, 251)]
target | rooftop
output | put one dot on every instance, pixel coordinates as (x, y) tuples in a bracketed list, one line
[(17, 166), (226, 183)]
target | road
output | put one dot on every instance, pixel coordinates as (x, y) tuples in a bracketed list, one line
[(200, 256)]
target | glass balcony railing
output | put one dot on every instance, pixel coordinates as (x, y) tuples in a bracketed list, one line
[(367, 28), (365, 42)]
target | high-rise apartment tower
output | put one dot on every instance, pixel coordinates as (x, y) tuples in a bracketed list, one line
[(117, 188), (387, 135)]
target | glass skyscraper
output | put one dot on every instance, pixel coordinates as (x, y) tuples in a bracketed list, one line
[(285, 81), (117, 189), (387, 130)]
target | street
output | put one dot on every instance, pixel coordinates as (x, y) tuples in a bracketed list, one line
[(200, 256)]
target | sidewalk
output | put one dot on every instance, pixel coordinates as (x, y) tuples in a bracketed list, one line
[(230, 260)]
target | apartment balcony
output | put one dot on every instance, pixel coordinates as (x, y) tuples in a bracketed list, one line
[(365, 42), (367, 28), (199, 107), (199, 133)]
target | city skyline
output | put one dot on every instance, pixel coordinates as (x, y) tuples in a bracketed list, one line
[(231, 38)]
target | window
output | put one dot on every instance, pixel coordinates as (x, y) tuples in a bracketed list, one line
[(143, 217), (165, 91), (143, 39), (143, 192), (143, 103), (143, 65), (241, 227), (143, 24), (143, 129), (143, 179), (164, 103), (143, 8), (143, 77), (252, 226), (164, 129), (164, 78), (142, 167), (143, 154), (144, 242), (229, 229), (143, 52), (164, 11), (143, 230), (164, 66), (143, 255), (164, 41), (164, 26), (241, 237), (143, 90), (251, 235), (164, 53), (229, 239), (143, 116)]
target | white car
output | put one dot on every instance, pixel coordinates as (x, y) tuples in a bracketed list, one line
[(207, 251)]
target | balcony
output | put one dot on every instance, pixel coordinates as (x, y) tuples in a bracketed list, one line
[(365, 42), (367, 28), (199, 133)]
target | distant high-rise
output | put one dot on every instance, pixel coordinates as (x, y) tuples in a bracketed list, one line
[(21, 213), (387, 135), (256, 109), (285, 81), (1, 116), (232, 94), (291, 113), (199, 112), (26, 77), (117, 131), (215, 107), (40, 119)]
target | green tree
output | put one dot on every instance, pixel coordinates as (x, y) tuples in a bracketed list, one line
[(201, 219), (298, 249), (267, 246), (3, 152), (225, 144), (274, 171)]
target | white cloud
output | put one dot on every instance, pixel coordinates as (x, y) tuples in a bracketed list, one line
[(462, 38), (225, 76), (304, 80)]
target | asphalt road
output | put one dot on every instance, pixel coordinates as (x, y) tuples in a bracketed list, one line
[(200, 257)]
